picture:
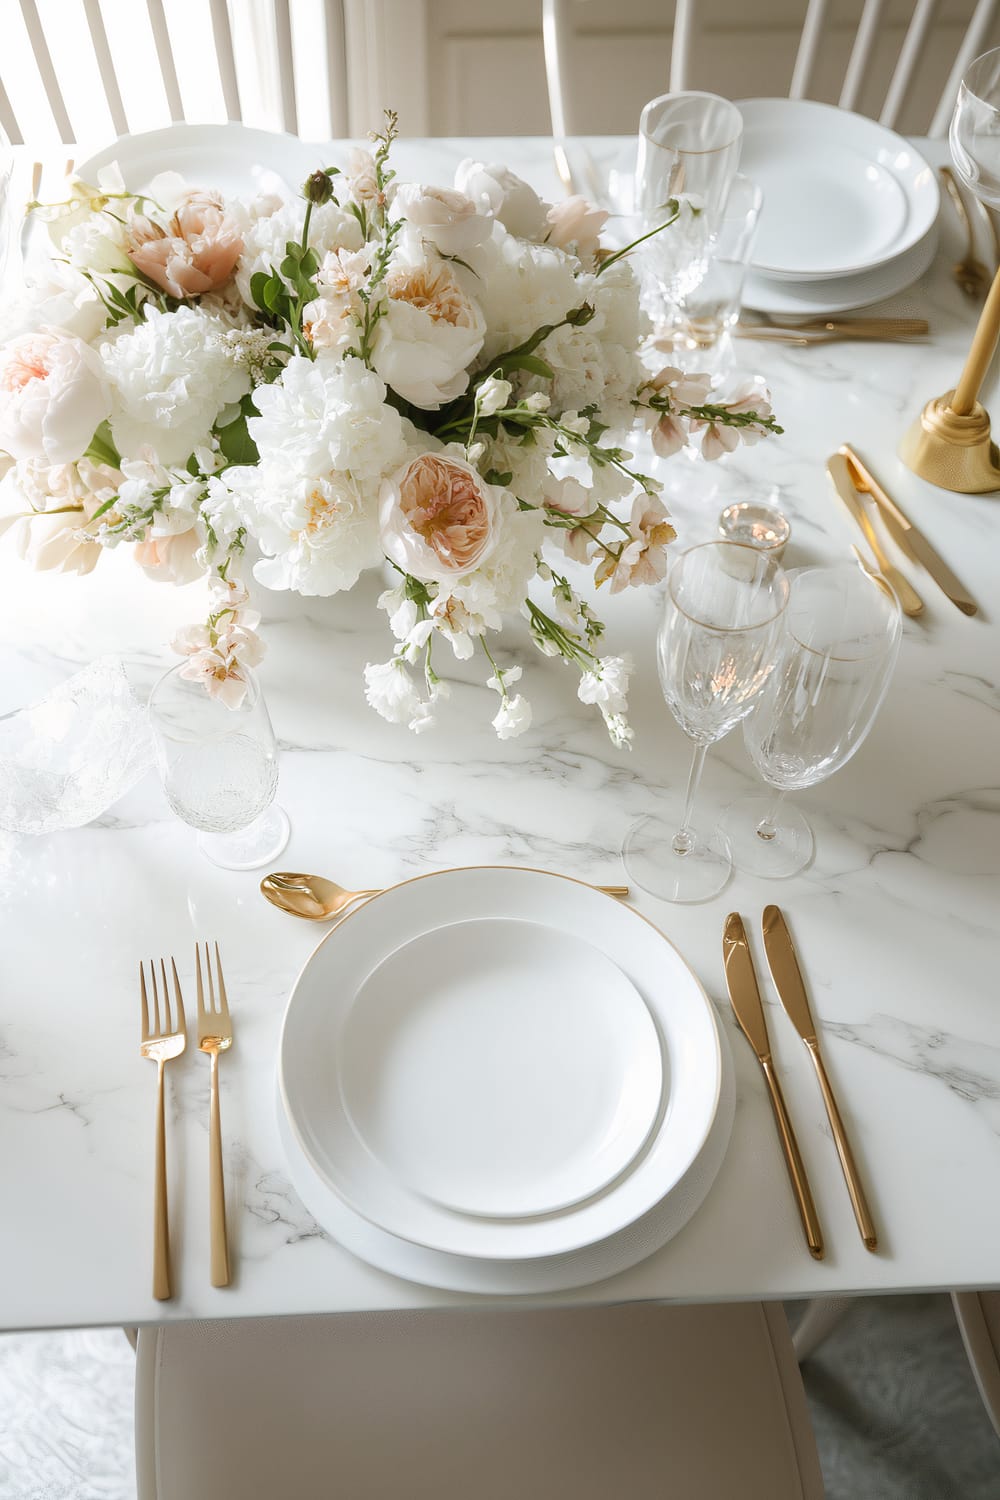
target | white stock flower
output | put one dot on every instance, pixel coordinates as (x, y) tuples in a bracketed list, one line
[(451, 221), (512, 718), (607, 684), (171, 375), (53, 396), (391, 692), (506, 196), (429, 335), (492, 396)]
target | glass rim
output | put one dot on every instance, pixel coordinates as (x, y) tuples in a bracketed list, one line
[(993, 52), (895, 617), (765, 557), (690, 94)]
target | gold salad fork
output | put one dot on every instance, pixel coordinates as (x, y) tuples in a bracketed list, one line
[(215, 1035), (161, 1040)]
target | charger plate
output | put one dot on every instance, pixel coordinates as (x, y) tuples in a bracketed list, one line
[(608, 1257), (232, 158), (311, 1066)]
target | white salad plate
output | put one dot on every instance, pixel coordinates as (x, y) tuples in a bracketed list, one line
[(500, 1067), (513, 1278), (233, 159), (385, 989), (842, 194), (842, 293)]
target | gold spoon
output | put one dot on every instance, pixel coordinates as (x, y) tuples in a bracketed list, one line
[(320, 900)]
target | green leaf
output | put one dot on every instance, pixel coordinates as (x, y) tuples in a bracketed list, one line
[(234, 439), (258, 281), (530, 362), (494, 476), (274, 293), (102, 447), (101, 509)]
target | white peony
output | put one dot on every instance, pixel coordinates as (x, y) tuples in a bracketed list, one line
[(327, 414), (171, 375), (450, 221), (429, 335), (520, 288), (506, 196), (53, 397)]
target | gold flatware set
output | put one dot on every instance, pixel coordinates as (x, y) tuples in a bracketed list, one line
[(744, 996), (827, 330), (855, 485), (163, 1039)]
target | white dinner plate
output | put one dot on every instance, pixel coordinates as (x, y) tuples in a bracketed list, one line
[(842, 293), (500, 1067), (558, 1273), (232, 158), (842, 194), (313, 1039)]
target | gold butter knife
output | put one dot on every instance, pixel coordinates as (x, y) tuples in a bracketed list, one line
[(787, 978), (907, 536), (839, 471), (744, 996)]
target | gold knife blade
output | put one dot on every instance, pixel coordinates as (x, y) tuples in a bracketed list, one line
[(787, 976), (839, 471), (908, 536), (744, 996)]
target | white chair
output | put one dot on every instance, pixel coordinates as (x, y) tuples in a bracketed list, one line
[(978, 1315), (636, 1401), (568, 110)]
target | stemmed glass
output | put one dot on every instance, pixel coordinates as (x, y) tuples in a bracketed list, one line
[(689, 148), (975, 128), (715, 648), (840, 644), (219, 767)]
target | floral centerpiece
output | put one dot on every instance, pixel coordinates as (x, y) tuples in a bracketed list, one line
[(443, 378)]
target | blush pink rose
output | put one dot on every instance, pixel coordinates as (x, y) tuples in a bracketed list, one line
[(438, 517), (200, 253), (170, 558), (576, 222)]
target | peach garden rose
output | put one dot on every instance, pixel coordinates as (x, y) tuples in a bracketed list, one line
[(438, 518), (200, 254)]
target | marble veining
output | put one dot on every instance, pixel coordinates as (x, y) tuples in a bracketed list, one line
[(896, 920)]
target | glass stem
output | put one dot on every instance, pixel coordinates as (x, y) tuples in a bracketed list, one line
[(767, 828), (684, 838)]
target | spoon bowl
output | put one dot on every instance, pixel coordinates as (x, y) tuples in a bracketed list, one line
[(316, 899)]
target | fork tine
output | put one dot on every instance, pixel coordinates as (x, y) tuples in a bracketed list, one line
[(156, 997), (145, 1006), (181, 1018), (223, 1001), (211, 983), (201, 991), (166, 999)]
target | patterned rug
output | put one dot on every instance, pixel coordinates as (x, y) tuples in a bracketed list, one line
[(896, 1412)]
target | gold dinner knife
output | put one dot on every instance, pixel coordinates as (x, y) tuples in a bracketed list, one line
[(787, 978), (744, 996), (907, 536)]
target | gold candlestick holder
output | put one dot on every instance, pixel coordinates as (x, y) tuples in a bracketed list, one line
[(950, 443)]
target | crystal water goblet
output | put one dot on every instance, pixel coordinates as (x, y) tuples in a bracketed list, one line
[(705, 315), (974, 136), (716, 645), (219, 767), (839, 646)]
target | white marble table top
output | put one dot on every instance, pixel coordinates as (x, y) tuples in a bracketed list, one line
[(897, 919)]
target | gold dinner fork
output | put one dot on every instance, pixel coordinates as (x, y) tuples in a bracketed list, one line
[(215, 1035), (161, 1041)]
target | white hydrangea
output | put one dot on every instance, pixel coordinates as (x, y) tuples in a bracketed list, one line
[(170, 376)]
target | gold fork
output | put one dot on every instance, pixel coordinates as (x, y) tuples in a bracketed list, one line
[(161, 1042), (215, 1035)]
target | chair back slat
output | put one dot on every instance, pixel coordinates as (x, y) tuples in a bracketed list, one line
[(105, 65), (861, 53), (555, 45), (46, 72), (909, 55), (972, 45), (8, 120), (165, 58), (683, 43), (286, 68), (223, 37), (805, 57), (336, 67)]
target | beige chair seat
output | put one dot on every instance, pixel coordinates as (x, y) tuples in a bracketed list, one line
[(978, 1315), (691, 1403)]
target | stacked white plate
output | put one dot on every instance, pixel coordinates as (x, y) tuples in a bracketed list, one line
[(850, 208), (501, 1081)]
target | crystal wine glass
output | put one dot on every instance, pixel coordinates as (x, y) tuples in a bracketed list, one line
[(840, 643), (975, 128), (715, 648), (219, 767)]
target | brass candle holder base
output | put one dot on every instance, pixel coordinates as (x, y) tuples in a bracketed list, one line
[(952, 450)]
